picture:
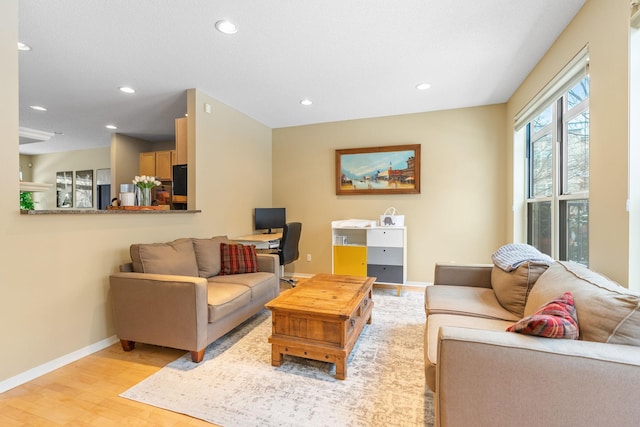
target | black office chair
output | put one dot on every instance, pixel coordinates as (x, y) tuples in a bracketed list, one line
[(288, 250)]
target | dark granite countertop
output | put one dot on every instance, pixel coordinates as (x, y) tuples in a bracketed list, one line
[(107, 212)]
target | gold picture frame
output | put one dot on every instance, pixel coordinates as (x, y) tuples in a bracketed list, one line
[(391, 169)]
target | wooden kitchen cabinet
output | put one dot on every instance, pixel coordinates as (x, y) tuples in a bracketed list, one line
[(181, 142), (158, 164), (148, 163), (164, 165)]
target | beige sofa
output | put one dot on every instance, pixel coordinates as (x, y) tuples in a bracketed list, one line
[(482, 375), (174, 295)]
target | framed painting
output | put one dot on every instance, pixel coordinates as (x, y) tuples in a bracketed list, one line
[(64, 189), (378, 170)]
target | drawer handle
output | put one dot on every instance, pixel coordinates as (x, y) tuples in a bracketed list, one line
[(353, 322)]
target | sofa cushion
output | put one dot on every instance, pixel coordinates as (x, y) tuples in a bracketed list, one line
[(555, 319), (435, 321), (237, 259), (607, 311), (512, 288), (175, 257), (259, 283), (208, 255), (465, 301), (226, 298)]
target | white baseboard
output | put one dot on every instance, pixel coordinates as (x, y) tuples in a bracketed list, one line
[(52, 365), (418, 284)]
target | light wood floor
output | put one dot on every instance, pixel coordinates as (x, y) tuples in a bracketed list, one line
[(85, 393)]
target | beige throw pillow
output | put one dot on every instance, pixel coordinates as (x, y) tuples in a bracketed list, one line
[(607, 311), (177, 258), (512, 288), (208, 255)]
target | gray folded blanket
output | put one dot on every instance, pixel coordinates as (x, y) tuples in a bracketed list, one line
[(510, 256)]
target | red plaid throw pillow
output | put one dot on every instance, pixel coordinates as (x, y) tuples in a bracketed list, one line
[(556, 319), (237, 259)]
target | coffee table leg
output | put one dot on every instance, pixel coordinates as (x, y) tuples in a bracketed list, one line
[(276, 356), (341, 368)]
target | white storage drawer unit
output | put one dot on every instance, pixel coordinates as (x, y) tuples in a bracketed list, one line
[(386, 273), (368, 249), (376, 251), (386, 237), (386, 254)]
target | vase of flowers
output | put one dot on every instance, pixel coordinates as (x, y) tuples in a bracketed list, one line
[(145, 184)]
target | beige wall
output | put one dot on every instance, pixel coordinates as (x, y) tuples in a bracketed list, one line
[(26, 167), (54, 292), (233, 170), (459, 214), (603, 25), (125, 159)]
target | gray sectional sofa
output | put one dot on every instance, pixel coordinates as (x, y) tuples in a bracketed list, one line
[(482, 375), (174, 295)]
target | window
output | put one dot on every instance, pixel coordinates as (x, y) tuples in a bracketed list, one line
[(557, 173)]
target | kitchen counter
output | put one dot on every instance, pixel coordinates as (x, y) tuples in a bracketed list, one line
[(108, 212)]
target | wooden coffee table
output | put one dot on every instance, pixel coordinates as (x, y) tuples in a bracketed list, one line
[(321, 319)]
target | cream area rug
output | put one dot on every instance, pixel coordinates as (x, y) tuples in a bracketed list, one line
[(236, 385)]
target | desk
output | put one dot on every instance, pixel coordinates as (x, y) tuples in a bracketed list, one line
[(261, 241)]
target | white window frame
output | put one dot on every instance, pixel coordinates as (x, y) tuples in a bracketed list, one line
[(573, 73)]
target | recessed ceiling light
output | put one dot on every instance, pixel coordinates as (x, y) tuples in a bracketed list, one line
[(22, 46), (37, 108), (127, 89), (113, 127), (423, 86), (306, 102), (226, 27)]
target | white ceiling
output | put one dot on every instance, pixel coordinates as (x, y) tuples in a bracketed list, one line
[(353, 58)]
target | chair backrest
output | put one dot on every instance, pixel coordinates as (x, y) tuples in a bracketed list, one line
[(288, 250)]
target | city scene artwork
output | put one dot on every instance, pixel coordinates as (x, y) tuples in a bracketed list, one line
[(378, 170)]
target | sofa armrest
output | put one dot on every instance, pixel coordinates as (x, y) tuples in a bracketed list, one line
[(160, 309), (269, 263), (478, 275), (506, 379)]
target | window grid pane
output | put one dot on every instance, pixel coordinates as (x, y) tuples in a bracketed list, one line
[(542, 167), (577, 163), (578, 93), (543, 119), (540, 225), (575, 242)]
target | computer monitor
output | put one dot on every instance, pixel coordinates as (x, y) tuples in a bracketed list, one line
[(270, 218)]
